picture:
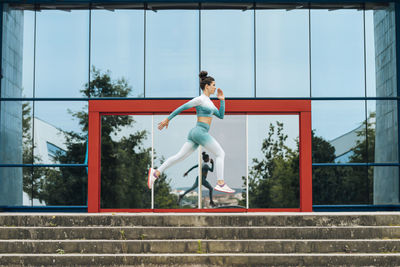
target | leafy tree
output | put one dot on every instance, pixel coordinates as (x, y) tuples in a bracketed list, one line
[(124, 162)]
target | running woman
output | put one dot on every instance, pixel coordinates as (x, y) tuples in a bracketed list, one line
[(199, 134), (204, 171)]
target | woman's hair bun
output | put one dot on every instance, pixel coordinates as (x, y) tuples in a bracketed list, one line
[(203, 74), (204, 153)]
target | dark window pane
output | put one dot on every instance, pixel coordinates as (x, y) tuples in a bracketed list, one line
[(125, 160)]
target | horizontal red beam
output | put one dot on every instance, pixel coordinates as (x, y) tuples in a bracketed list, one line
[(166, 106)]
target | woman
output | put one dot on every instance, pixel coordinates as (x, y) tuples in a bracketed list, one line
[(198, 135), (204, 171)]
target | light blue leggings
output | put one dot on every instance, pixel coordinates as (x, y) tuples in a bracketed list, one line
[(198, 136)]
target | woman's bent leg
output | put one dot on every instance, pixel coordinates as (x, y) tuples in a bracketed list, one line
[(187, 149)]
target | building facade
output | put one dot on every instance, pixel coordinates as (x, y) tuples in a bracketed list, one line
[(340, 55)]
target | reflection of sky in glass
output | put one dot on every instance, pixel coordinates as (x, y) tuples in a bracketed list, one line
[(282, 65), (172, 59), (172, 53), (337, 53), (332, 119), (62, 53), (227, 50), (118, 45)]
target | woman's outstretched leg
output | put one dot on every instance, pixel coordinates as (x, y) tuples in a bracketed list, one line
[(187, 149)]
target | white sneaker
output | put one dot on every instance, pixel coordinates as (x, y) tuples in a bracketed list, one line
[(151, 177), (224, 188)]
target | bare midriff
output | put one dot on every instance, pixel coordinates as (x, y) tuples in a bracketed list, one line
[(205, 120)]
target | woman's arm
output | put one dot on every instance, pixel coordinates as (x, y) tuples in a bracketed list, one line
[(192, 103), (212, 166), (195, 166), (221, 112)]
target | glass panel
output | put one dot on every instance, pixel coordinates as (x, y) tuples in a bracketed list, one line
[(28, 53), (338, 128), (125, 160), (341, 186), (13, 52), (41, 186), (380, 43), (172, 53), (273, 157), (385, 185), (62, 53), (337, 53), (60, 132), (15, 132), (173, 183), (230, 133), (227, 50), (382, 131), (278, 57), (117, 46)]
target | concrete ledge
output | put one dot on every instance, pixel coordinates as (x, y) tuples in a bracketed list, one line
[(201, 246), (231, 219), (140, 233), (201, 260)]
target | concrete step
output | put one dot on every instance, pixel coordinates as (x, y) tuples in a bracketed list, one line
[(217, 259), (202, 219), (199, 246), (140, 232)]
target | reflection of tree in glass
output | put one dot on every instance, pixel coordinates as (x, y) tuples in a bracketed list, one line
[(124, 163), (32, 178), (274, 179), (345, 185)]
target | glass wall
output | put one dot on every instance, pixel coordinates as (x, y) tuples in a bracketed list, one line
[(343, 60)]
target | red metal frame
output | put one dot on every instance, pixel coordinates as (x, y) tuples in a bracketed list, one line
[(97, 108)]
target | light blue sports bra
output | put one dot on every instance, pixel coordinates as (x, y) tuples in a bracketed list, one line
[(204, 107)]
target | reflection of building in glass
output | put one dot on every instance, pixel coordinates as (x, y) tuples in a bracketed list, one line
[(49, 143), (344, 144), (10, 112), (386, 180)]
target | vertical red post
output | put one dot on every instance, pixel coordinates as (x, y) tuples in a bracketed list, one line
[(94, 162), (305, 162)]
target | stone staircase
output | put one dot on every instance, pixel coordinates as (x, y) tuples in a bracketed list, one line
[(229, 239)]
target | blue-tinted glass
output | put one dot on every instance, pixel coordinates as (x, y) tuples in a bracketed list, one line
[(382, 131), (117, 45), (385, 184), (380, 43), (273, 166), (337, 53), (172, 53), (62, 53), (282, 65), (339, 127), (28, 53), (12, 52), (227, 50), (57, 123)]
